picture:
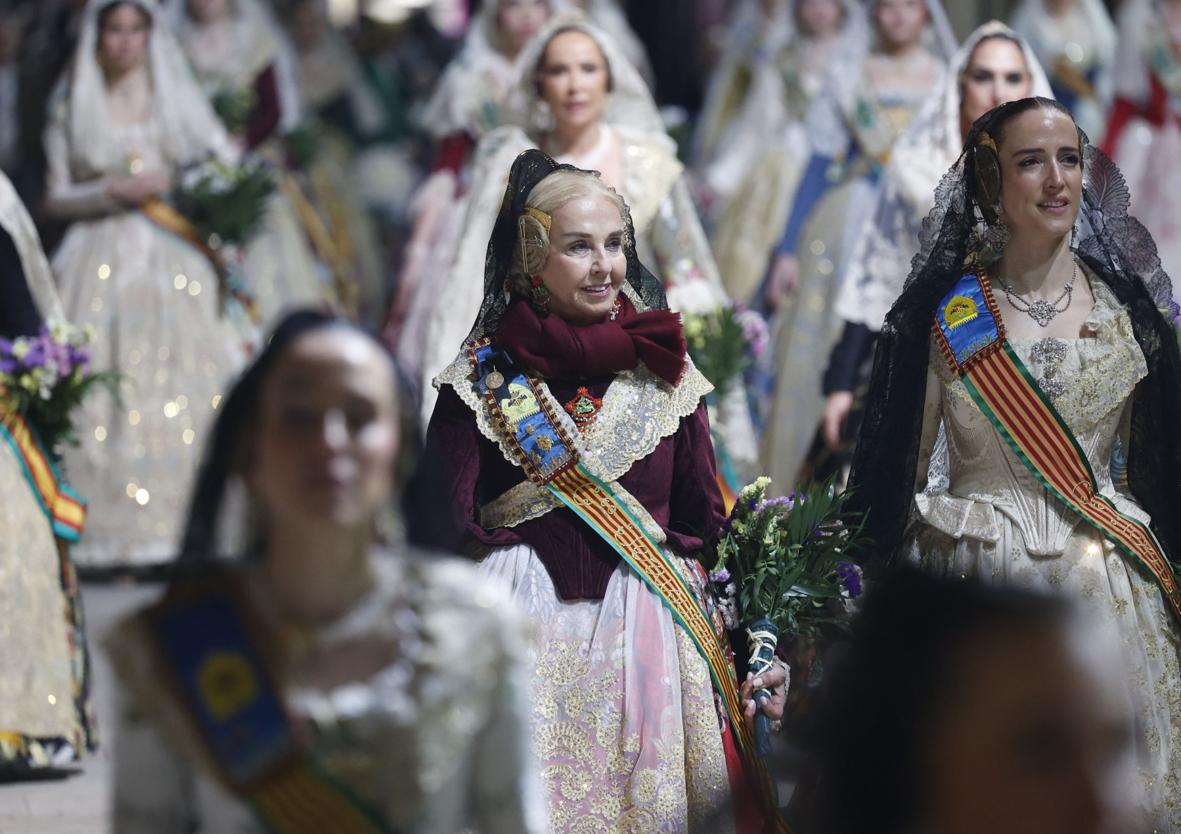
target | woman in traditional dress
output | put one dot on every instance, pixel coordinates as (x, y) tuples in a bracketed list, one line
[(348, 669), (595, 112), (44, 665), (575, 377), (1031, 331), (1075, 41), (763, 151), (247, 68), (1144, 135), (867, 101), (345, 114), (125, 119), (466, 105), (993, 66)]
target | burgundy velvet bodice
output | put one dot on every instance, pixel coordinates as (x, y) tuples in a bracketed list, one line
[(675, 483)]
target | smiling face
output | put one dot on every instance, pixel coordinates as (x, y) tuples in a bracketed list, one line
[(996, 73), (124, 30), (327, 432), (1041, 175), (573, 79), (586, 263), (900, 23)]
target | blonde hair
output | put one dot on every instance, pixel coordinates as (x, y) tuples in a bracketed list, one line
[(548, 196)]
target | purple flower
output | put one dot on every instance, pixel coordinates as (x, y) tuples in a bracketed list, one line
[(785, 501), (850, 576), (720, 577), (7, 365)]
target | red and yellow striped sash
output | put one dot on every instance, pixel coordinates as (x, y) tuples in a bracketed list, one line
[(972, 337), (64, 508)]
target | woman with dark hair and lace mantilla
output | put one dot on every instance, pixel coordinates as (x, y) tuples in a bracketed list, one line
[(865, 103), (574, 444), (1034, 332)]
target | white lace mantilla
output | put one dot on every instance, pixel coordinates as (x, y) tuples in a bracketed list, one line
[(639, 410)]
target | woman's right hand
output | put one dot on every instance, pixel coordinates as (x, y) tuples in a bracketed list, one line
[(784, 280), (134, 189), (836, 412)]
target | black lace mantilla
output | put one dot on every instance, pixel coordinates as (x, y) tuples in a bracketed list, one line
[(1120, 251), (530, 168)]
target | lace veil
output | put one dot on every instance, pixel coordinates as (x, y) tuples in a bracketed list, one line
[(881, 257), (1117, 249), (190, 130), (530, 168), (630, 102), (837, 104), (461, 101)]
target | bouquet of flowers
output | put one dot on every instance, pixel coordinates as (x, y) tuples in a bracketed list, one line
[(226, 203), (723, 342), (45, 377), (234, 107), (781, 568)]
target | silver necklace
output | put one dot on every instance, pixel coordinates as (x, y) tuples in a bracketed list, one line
[(1040, 310)]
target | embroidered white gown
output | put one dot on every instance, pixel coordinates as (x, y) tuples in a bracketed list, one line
[(153, 301), (993, 520)]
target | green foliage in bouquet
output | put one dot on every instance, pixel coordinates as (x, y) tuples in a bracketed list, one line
[(226, 203), (304, 142), (234, 107), (785, 559), (718, 345), (45, 377)]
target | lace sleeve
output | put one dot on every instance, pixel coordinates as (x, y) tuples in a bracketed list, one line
[(931, 473)]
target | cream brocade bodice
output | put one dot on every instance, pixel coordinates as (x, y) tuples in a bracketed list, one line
[(979, 479)]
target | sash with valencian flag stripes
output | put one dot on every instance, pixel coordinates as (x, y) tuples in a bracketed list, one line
[(209, 651), (971, 335), (543, 449), (64, 508)]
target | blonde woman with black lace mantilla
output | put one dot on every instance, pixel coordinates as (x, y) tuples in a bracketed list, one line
[(577, 98)]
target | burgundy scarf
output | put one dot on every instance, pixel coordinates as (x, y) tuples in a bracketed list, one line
[(555, 348)]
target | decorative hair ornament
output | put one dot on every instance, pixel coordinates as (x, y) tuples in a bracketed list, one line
[(540, 216), (988, 176), (539, 295)]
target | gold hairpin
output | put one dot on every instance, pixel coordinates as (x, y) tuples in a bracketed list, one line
[(540, 216), (987, 141)]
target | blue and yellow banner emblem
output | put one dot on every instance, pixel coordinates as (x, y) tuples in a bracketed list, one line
[(231, 700)]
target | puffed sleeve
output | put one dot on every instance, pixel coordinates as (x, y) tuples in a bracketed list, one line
[(447, 481), (929, 448)]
